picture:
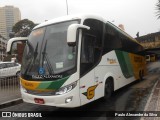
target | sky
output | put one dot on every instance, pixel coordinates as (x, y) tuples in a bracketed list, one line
[(135, 15)]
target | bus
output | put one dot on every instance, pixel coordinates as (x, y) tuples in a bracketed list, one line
[(76, 59), (148, 59), (151, 58)]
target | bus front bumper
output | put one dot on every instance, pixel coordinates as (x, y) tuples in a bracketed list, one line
[(70, 99)]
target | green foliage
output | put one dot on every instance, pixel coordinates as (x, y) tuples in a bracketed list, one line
[(158, 9), (23, 28)]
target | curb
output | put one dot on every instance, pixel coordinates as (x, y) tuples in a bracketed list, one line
[(150, 97), (11, 103), (148, 102)]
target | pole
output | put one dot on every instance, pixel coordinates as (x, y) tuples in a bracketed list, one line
[(67, 6)]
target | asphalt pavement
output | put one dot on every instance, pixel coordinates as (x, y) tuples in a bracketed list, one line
[(153, 103)]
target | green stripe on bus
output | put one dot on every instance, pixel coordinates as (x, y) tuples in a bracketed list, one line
[(125, 63), (52, 85), (128, 63)]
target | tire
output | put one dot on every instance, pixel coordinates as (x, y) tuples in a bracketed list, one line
[(108, 89)]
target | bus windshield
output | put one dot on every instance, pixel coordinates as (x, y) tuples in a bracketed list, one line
[(47, 53)]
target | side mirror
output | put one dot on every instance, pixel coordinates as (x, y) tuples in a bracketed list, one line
[(71, 33), (14, 41)]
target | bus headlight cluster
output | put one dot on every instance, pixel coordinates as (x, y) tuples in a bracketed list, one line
[(66, 89)]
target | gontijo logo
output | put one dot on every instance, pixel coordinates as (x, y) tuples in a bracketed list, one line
[(90, 92)]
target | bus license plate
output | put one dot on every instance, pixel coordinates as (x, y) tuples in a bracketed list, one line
[(39, 100)]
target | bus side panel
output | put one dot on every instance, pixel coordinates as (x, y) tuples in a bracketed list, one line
[(108, 67), (125, 63), (87, 88), (131, 64), (104, 72), (126, 68), (138, 64)]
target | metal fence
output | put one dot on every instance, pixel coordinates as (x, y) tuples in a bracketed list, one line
[(9, 89)]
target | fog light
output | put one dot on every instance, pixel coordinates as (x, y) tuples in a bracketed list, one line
[(69, 99)]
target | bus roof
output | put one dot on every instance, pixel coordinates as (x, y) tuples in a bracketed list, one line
[(70, 17), (83, 17)]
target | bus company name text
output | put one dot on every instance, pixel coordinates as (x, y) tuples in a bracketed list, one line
[(111, 61), (46, 76)]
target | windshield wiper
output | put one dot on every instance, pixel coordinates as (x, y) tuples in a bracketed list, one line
[(45, 57), (33, 56)]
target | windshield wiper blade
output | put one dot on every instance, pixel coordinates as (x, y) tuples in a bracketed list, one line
[(45, 57), (34, 56)]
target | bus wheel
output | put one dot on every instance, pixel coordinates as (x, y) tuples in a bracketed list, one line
[(141, 74), (108, 88)]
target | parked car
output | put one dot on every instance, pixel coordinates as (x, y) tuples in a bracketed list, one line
[(8, 69)]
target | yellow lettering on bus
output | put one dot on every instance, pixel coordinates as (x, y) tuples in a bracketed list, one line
[(29, 84)]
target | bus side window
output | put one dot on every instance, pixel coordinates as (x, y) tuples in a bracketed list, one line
[(91, 46), (88, 44), (111, 40), (134, 47)]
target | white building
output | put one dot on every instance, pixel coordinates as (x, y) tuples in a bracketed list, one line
[(9, 15), (3, 45)]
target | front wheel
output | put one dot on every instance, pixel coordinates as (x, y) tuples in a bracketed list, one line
[(108, 89)]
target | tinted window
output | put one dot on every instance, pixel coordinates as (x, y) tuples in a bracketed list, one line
[(129, 45), (88, 45), (116, 40), (111, 40), (91, 47)]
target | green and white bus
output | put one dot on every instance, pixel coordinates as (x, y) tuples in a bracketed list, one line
[(74, 60)]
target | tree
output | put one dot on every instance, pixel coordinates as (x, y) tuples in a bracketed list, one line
[(158, 9), (23, 28)]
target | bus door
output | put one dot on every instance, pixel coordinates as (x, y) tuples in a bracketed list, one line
[(87, 83), (90, 83), (91, 52)]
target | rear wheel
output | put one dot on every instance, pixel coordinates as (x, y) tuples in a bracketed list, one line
[(108, 88)]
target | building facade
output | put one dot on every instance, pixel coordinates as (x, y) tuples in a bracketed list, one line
[(150, 41), (9, 15), (3, 45)]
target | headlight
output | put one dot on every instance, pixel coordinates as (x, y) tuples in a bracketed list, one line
[(66, 89)]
